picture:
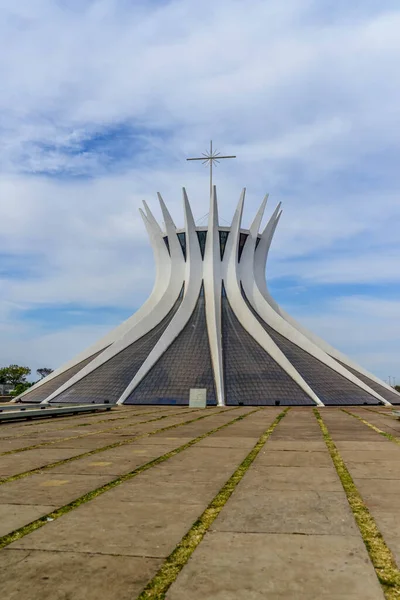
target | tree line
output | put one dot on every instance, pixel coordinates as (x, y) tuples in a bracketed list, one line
[(15, 375)]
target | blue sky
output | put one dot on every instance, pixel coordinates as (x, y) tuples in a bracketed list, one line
[(103, 100)]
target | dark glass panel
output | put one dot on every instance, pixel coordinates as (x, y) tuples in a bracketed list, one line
[(110, 379), (202, 236), (182, 241), (223, 236), (167, 243), (242, 240), (185, 364), (45, 390), (387, 394), (329, 386), (251, 376)]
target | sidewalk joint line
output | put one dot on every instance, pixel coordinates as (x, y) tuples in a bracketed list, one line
[(389, 436), (85, 435), (174, 563), (381, 556), (21, 532), (131, 440), (377, 412), (50, 430)]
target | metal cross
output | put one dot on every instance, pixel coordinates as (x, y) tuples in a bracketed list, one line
[(211, 158)]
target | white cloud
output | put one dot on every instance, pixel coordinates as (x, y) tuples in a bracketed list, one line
[(306, 96)]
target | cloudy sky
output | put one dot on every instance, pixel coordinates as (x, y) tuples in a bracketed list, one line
[(101, 102)]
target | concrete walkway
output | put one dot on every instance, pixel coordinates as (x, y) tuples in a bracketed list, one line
[(286, 532)]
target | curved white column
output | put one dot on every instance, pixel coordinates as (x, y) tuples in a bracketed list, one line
[(173, 272), (252, 261), (258, 291), (193, 281), (163, 273), (212, 292), (244, 314), (175, 276)]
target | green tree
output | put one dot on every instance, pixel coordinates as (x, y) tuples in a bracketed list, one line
[(43, 372), (397, 388), (20, 388), (3, 376), (15, 374)]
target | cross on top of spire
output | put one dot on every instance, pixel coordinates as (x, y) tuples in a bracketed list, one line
[(211, 157)]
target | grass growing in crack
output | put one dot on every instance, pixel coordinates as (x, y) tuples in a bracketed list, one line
[(379, 412), (50, 430), (59, 512), (381, 557), (131, 440), (388, 436), (169, 571), (84, 435)]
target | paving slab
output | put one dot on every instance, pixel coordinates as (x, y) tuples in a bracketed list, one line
[(195, 457), (178, 492), (157, 439), (371, 456), (17, 443), (13, 516), (246, 566), (294, 478), (89, 443), (113, 462), (49, 488), (254, 511), (376, 446), (73, 576), (291, 458), (302, 446), (220, 441), (119, 528), (381, 501), (387, 521), (380, 486), (383, 469), (176, 473), (34, 459)]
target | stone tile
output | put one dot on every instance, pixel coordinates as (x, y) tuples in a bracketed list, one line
[(314, 446), (214, 441), (89, 443), (176, 473), (73, 576), (17, 443), (377, 470), (291, 458), (388, 522), (113, 462), (155, 490), (374, 486), (370, 456), (381, 501), (49, 488), (193, 430), (322, 513), (13, 516), (237, 566), (375, 446), (33, 459), (156, 439), (196, 456), (120, 528), (294, 478)]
